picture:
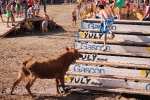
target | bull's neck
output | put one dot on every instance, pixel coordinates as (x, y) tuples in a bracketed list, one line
[(68, 59)]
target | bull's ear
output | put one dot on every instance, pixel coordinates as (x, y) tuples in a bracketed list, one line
[(67, 49)]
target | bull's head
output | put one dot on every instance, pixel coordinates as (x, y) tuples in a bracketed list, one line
[(75, 52)]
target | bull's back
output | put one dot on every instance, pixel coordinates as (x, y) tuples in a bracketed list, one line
[(45, 69)]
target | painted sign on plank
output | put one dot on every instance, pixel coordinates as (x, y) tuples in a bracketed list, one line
[(94, 26), (118, 37), (120, 27), (107, 82), (96, 70), (115, 59), (118, 48)]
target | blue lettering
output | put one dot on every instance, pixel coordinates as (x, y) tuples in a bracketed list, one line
[(89, 47), (93, 47), (77, 69), (82, 69), (92, 71), (84, 45), (96, 27), (113, 27), (98, 47), (86, 70), (102, 71), (148, 87), (92, 26)]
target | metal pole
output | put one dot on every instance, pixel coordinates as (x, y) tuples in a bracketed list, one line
[(45, 5), (26, 9)]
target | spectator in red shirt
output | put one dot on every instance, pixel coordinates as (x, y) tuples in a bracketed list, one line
[(30, 3)]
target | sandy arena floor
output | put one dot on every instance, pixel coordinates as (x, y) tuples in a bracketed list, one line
[(15, 49)]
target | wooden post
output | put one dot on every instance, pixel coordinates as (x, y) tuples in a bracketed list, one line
[(26, 8), (45, 5)]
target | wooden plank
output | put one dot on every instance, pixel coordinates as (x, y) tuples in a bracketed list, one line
[(104, 82), (117, 32), (35, 19), (109, 72), (112, 48), (109, 89), (114, 42), (5, 30), (117, 65), (118, 37), (119, 27), (126, 78), (129, 22), (115, 53), (115, 59)]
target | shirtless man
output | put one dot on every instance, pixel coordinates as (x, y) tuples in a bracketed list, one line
[(119, 4), (0, 10), (105, 14), (9, 14), (18, 8), (45, 22), (31, 11), (74, 18)]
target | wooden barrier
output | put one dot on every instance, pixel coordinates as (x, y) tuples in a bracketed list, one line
[(123, 68), (137, 26), (5, 30)]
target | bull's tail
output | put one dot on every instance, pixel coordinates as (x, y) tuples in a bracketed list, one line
[(24, 69)]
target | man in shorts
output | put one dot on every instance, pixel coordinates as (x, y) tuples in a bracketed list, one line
[(106, 20), (120, 5), (31, 12), (36, 8), (0, 10), (9, 14), (45, 22), (18, 8), (74, 18)]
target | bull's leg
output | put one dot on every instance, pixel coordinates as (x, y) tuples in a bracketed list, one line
[(57, 85), (31, 80), (62, 83), (21, 76)]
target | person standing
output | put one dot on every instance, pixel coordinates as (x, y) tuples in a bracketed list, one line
[(45, 22), (74, 18), (30, 3), (0, 10), (119, 4), (9, 14), (106, 22), (146, 16)]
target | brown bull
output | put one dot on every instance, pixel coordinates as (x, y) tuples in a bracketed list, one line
[(54, 67)]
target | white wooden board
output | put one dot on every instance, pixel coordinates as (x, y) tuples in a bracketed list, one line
[(116, 48), (115, 59), (105, 70), (118, 37), (118, 21), (101, 82), (119, 27)]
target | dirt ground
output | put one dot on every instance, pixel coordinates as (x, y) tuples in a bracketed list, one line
[(14, 49)]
